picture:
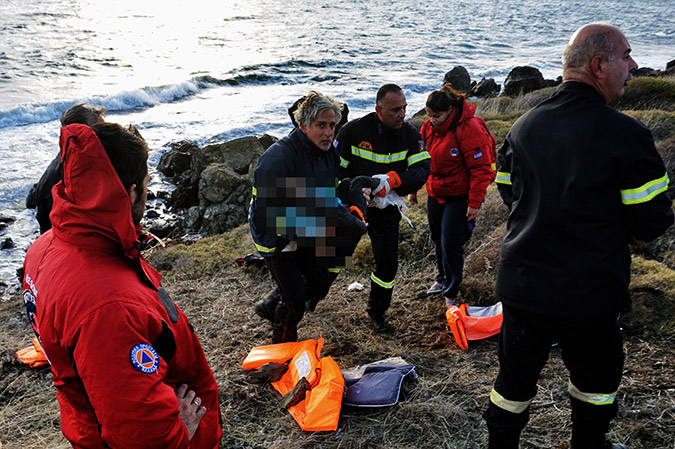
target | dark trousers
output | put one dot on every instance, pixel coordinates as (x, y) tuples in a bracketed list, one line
[(450, 230), (592, 350), (383, 233), (300, 280)]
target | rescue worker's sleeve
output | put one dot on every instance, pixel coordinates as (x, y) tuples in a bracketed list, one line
[(342, 144), (419, 165), (124, 377), (503, 180), (643, 184), (476, 149)]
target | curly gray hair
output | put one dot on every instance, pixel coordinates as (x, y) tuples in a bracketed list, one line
[(313, 105)]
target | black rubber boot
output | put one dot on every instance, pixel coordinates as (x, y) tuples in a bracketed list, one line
[(266, 307), (590, 424)]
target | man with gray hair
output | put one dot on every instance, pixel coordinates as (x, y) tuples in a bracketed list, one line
[(294, 215), (582, 181)]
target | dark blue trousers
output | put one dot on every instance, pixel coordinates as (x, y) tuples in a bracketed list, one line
[(450, 230)]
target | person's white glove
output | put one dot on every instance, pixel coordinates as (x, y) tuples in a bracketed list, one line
[(384, 184), (387, 182)]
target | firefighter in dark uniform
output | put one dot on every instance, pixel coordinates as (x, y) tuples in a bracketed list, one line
[(582, 181), (382, 145)]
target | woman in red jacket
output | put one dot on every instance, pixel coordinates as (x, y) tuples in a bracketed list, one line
[(462, 165)]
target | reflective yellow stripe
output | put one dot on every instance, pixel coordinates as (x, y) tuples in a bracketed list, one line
[(380, 282), (255, 191), (493, 166), (264, 249), (646, 192), (335, 270), (415, 158), (503, 178), (379, 158), (344, 163), (510, 406), (591, 398)]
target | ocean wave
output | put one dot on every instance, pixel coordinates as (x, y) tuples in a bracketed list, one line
[(131, 100)]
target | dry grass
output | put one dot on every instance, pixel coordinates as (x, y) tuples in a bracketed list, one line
[(441, 409)]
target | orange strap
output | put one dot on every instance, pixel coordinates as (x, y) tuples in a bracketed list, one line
[(455, 320), (358, 212)]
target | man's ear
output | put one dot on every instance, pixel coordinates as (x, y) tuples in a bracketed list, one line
[(303, 128), (133, 194), (378, 110), (598, 66)]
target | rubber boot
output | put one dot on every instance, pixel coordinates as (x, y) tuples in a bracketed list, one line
[(590, 424), (504, 427), (266, 307)]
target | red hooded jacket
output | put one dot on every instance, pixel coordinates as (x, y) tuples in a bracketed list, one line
[(117, 344), (462, 159)]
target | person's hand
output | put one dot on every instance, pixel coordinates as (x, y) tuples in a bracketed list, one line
[(471, 213), (190, 411), (366, 193), (412, 198)]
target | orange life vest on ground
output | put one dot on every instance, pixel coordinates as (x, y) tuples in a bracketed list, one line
[(320, 408), (32, 356), (473, 323)]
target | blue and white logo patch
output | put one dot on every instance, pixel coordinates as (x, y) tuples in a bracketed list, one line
[(144, 358), (477, 155), (454, 152)]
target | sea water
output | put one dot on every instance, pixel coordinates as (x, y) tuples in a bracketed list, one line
[(209, 72)]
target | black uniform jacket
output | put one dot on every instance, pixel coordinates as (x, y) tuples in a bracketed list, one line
[(580, 179), (367, 148)]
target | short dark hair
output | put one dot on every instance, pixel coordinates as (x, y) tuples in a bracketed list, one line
[(82, 113), (384, 90), (440, 101), (127, 151)]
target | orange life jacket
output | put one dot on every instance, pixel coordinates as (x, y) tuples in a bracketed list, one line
[(32, 356), (320, 409), (473, 323)]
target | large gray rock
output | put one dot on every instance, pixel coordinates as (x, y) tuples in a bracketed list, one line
[(213, 183), (522, 80)]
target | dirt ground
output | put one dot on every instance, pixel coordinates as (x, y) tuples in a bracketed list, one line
[(440, 409)]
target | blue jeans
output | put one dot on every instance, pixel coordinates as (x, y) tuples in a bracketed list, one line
[(450, 230)]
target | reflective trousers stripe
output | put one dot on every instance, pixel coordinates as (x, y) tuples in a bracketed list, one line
[(510, 406), (380, 282), (645, 192), (503, 178), (591, 398)]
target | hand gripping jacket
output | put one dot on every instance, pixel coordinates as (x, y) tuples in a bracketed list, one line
[(473, 323), (117, 344), (320, 408), (463, 156)]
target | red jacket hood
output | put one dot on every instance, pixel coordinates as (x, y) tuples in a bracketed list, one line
[(91, 207)]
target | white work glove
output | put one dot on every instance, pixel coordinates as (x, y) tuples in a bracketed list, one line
[(384, 184)]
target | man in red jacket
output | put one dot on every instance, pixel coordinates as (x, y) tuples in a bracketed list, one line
[(128, 368)]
